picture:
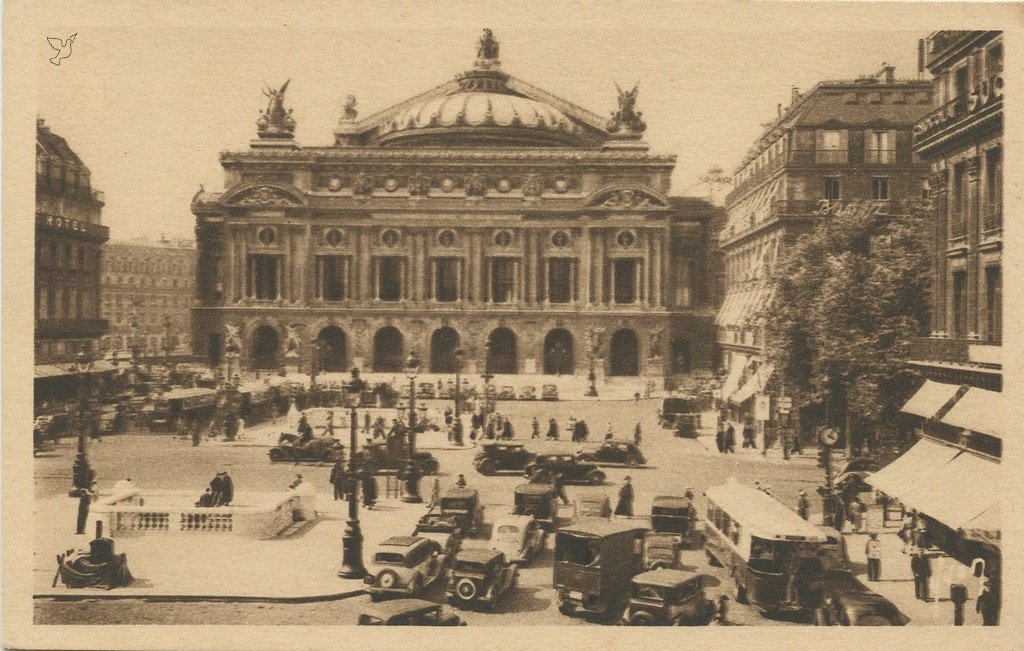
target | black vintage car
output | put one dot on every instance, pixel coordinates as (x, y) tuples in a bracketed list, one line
[(502, 455), (853, 604), (172, 407), (617, 452), (677, 516), (682, 414), (320, 449), (538, 501), (384, 457), (443, 528), (573, 469), (480, 576), (464, 505), (668, 598)]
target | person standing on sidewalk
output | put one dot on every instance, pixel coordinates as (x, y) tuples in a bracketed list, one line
[(803, 506), (625, 503), (857, 511), (873, 550), (338, 480), (921, 567), (730, 439), (637, 434), (535, 428)]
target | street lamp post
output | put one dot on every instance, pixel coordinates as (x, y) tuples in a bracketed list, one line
[(591, 357), (82, 474), (459, 354), (411, 484), (352, 541), (314, 369), (487, 377)]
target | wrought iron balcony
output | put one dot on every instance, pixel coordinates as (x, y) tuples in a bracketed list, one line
[(71, 328)]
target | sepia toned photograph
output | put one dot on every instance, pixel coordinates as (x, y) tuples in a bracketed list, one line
[(474, 321)]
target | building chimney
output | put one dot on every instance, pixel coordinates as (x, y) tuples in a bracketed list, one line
[(887, 74), (41, 124), (794, 95)]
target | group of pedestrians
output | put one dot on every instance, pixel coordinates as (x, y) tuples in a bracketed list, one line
[(220, 492)]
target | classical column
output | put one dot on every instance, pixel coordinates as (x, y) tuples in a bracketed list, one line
[(305, 264), (242, 233), (656, 269), (530, 242), (972, 267), (230, 272), (638, 276), (584, 258), (599, 267), (285, 288), (433, 274), (278, 294), (471, 275), (364, 265)]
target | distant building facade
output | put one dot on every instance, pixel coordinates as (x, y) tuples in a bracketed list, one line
[(148, 287), (68, 253), (841, 141), (484, 216)]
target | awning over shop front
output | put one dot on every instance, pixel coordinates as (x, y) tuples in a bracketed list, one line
[(732, 380), (979, 411), (930, 399), (755, 384), (900, 476)]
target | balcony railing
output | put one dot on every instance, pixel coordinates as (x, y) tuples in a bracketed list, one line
[(987, 93), (831, 156), (880, 156)]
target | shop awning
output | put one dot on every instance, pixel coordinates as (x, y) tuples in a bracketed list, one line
[(732, 380), (899, 477), (50, 370), (979, 411), (930, 399), (756, 384)]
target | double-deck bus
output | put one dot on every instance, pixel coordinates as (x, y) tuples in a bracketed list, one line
[(778, 560)]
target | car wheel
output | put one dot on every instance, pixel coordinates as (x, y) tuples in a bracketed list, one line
[(486, 467), (387, 579), (566, 608), (659, 565), (465, 589), (642, 618), (276, 455), (595, 477)]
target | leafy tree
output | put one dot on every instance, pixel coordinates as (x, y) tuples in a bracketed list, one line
[(849, 296)]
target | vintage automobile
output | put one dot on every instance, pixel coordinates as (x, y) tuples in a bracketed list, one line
[(426, 390), (404, 565), (682, 414), (502, 455), (320, 449), (573, 469), (661, 550), (593, 504), (676, 515), (464, 505), (480, 576), (170, 408), (408, 612), (853, 604), (258, 402), (537, 501), (528, 393), (383, 457), (443, 528), (519, 537), (506, 393), (595, 561), (665, 597), (47, 429), (615, 451), (549, 392)]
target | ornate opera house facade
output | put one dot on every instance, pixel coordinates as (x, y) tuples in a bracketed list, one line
[(484, 215)]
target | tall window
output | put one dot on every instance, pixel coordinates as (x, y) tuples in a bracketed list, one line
[(959, 299), (832, 188), (626, 280), (390, 278), (446, 279), (560, 280), (831, 147), (993, 188), (994, 303), (332, 277), (503, 280), (960, 81), (264, 280), (880, 147), (880, 188), (958, 209)]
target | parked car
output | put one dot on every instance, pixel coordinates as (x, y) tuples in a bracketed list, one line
[(668, 598), (322, 448), (528, 393), (853, 604), (404, 565), (595, 561), (676, 515), (442, 528), (537, 501), (572, 468), (682, 414), (493, 456), (549, 392), (616, 451), (480, 576), (519, 537), (408, 612), (380, 456), (464, 505), (426, 390), (661, 550), (592, 504), (506, 393)]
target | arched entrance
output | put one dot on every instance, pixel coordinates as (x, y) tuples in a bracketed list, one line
[(501, 352), (681, 361), (388, 356), (265, 346), (625, 353), (558, 354), (443, 344), (333, 349)]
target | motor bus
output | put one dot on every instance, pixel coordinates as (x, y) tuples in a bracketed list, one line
[(778, 561)]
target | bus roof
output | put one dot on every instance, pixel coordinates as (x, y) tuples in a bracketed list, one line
[(762, 515), (598, 527)]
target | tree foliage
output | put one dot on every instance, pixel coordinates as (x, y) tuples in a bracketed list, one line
[(849, 296)]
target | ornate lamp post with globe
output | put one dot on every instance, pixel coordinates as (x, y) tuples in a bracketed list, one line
[(352, 541), (487, 376), (82, 474), (410, 474)]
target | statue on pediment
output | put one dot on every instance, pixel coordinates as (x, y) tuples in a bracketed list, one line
[(488, 46), (275, 121), (627, 119), (348, 109)]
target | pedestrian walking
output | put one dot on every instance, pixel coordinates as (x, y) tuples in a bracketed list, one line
[(535, 428), (338, 480), (435, 493), (803, 505), (720, 437), (85, 498), (507, 431), (730, 439), (748, 435), (873, 551), (921, 568), (573, 432), (609, 435), (582, 431), (637, 434), (457, 432), (553, 430), (369, 490), (857, 514), (624, 507), (558, 484)]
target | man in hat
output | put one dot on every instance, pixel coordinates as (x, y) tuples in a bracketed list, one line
[(535, 428), (223, 489), (552, 430), (461, 481), (803, 505), (720, 437), (873, 551), (625, 504), (338, 477), (921, 567)]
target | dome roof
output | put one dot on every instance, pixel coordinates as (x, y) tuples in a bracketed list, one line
[(471, 117)]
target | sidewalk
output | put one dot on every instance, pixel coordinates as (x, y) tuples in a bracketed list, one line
[(203, 566), (707, 440), (897, 581)]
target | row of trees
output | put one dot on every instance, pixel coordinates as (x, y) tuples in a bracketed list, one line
[(849, 297)]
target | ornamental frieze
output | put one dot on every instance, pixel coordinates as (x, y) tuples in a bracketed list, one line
[(265, 196)]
